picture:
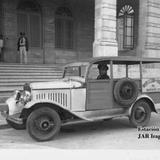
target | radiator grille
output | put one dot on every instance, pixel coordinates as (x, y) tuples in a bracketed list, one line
[(59, 97)]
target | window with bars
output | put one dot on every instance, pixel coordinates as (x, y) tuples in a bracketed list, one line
[(64, 28), (125, 28)]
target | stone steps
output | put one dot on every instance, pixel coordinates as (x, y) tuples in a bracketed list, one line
[(2, 107), (7, 77), (28, 72), (14, 76), (22, 80)]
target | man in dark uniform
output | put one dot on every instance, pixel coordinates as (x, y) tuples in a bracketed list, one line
[(103, 68)]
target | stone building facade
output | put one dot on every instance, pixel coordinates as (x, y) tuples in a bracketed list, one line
[(60, 31)]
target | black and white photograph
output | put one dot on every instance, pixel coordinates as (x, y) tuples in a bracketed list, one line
[(78, 75)]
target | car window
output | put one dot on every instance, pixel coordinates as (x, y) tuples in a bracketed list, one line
[(119, 71), (72, 71), (75, 71), (94, 72), (151, 70), (134, 71)]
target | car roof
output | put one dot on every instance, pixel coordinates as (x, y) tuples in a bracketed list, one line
[(121, 60), (81, 63), (126, 59)]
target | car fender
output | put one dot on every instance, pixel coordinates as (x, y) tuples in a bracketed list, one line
[(144, 96), (30, 104)]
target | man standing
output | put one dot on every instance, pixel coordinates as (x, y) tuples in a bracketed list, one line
[(23, 48)]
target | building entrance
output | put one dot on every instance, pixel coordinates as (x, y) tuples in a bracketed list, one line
[(29, 21)]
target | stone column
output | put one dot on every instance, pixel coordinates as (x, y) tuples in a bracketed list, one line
[(149, 29), (49, 55), (105, 43)]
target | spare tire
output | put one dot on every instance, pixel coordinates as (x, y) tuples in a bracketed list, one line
[(125, 91)]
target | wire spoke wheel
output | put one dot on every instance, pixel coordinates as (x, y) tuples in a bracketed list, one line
[(125, 92), (140, 114), (43, 124)]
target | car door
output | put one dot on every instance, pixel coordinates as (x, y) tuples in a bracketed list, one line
[(99, 91)]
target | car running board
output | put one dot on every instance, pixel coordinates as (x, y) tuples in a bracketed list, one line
[(101, 114)]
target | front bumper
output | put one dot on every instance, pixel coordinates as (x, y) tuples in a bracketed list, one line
[(14, 106), (13, 118)]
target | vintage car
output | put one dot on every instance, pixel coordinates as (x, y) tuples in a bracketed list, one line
[(132, 89)]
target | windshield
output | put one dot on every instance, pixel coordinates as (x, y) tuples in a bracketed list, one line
[(75, 71)]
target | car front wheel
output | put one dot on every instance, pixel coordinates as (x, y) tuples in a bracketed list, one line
[(140, 114), (43, 124)]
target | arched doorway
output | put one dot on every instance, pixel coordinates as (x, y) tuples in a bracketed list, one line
[(29, 20), (127, 26)]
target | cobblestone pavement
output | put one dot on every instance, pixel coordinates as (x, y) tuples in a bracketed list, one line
[(114, 134)]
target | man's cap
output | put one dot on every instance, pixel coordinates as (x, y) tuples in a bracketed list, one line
[(103, 66)]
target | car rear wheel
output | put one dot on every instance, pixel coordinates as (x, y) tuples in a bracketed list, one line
[(140, 114), (43, 124)]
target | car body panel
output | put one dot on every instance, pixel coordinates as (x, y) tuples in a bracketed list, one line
[(59, 97), (58, 84), (99, 95), (13, 106), (78, 101)]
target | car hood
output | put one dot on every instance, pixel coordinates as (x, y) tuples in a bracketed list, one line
[(63, 84)]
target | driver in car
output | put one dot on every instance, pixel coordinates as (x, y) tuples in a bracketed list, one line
[(103, 68)]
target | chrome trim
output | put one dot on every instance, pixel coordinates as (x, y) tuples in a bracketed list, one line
[(60, 97)]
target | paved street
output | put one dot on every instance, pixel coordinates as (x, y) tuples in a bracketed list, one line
[(114, 134)]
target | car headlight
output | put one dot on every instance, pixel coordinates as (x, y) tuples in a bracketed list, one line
[(17, 95), (23, 96), (27, 87), (26, 96)]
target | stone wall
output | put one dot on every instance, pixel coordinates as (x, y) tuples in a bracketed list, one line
[(93, 19), (83, 12), (9, 30), (152, 44), (149, 29), (105, 43)]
